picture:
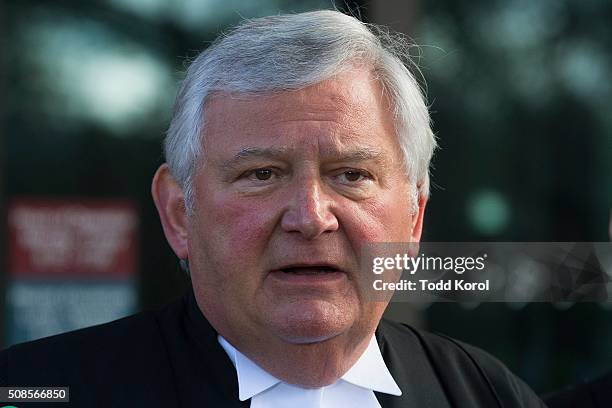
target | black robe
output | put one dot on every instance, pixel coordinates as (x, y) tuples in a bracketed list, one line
[(595, 393), (171, 358)]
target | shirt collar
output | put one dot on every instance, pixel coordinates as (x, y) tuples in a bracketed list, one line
[(370, 372), (252, 379)]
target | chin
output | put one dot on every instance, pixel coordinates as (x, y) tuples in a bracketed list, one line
[(311, 321)]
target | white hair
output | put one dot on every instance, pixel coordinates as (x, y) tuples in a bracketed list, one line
[(290, 52)]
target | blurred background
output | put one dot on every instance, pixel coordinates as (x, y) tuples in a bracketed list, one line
[(519, 93)]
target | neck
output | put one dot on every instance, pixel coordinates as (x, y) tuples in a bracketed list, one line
[(307, 364)]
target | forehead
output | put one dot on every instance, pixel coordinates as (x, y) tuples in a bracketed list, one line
[(348, 109)]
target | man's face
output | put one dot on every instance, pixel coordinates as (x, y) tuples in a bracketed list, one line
[(290, 187)]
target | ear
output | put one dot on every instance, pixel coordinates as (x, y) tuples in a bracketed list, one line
[(417, 220), (170, 204)]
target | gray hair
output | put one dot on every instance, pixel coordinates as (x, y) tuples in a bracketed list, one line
[(293, 51)]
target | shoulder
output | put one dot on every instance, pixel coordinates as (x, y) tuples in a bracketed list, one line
[(96, 362), (595, 393), (69, 355), (460, 367)]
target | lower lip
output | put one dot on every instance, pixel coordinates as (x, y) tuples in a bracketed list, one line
[(308, 279)]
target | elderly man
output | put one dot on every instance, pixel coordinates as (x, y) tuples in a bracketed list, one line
[(296, 139)]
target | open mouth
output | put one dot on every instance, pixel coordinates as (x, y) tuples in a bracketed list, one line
[(308, 275), (310, 270)]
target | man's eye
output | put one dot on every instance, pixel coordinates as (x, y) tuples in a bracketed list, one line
[(353, 176), (260, 174)]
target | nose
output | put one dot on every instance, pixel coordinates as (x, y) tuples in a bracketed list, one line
[(309, 211)]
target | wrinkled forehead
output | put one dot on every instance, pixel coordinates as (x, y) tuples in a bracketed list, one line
[(351, 109)]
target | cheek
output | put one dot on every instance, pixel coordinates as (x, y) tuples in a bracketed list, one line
[(380, 220), (398, 219), (239, 224)]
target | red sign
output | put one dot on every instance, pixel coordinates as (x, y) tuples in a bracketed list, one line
[(72, 238)]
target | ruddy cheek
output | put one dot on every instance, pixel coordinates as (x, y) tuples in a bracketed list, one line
[(379, 222), (361, 227), (247, 225)]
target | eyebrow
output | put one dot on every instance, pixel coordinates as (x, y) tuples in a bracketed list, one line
[(359, 154), (364, 154), (252, 153)]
